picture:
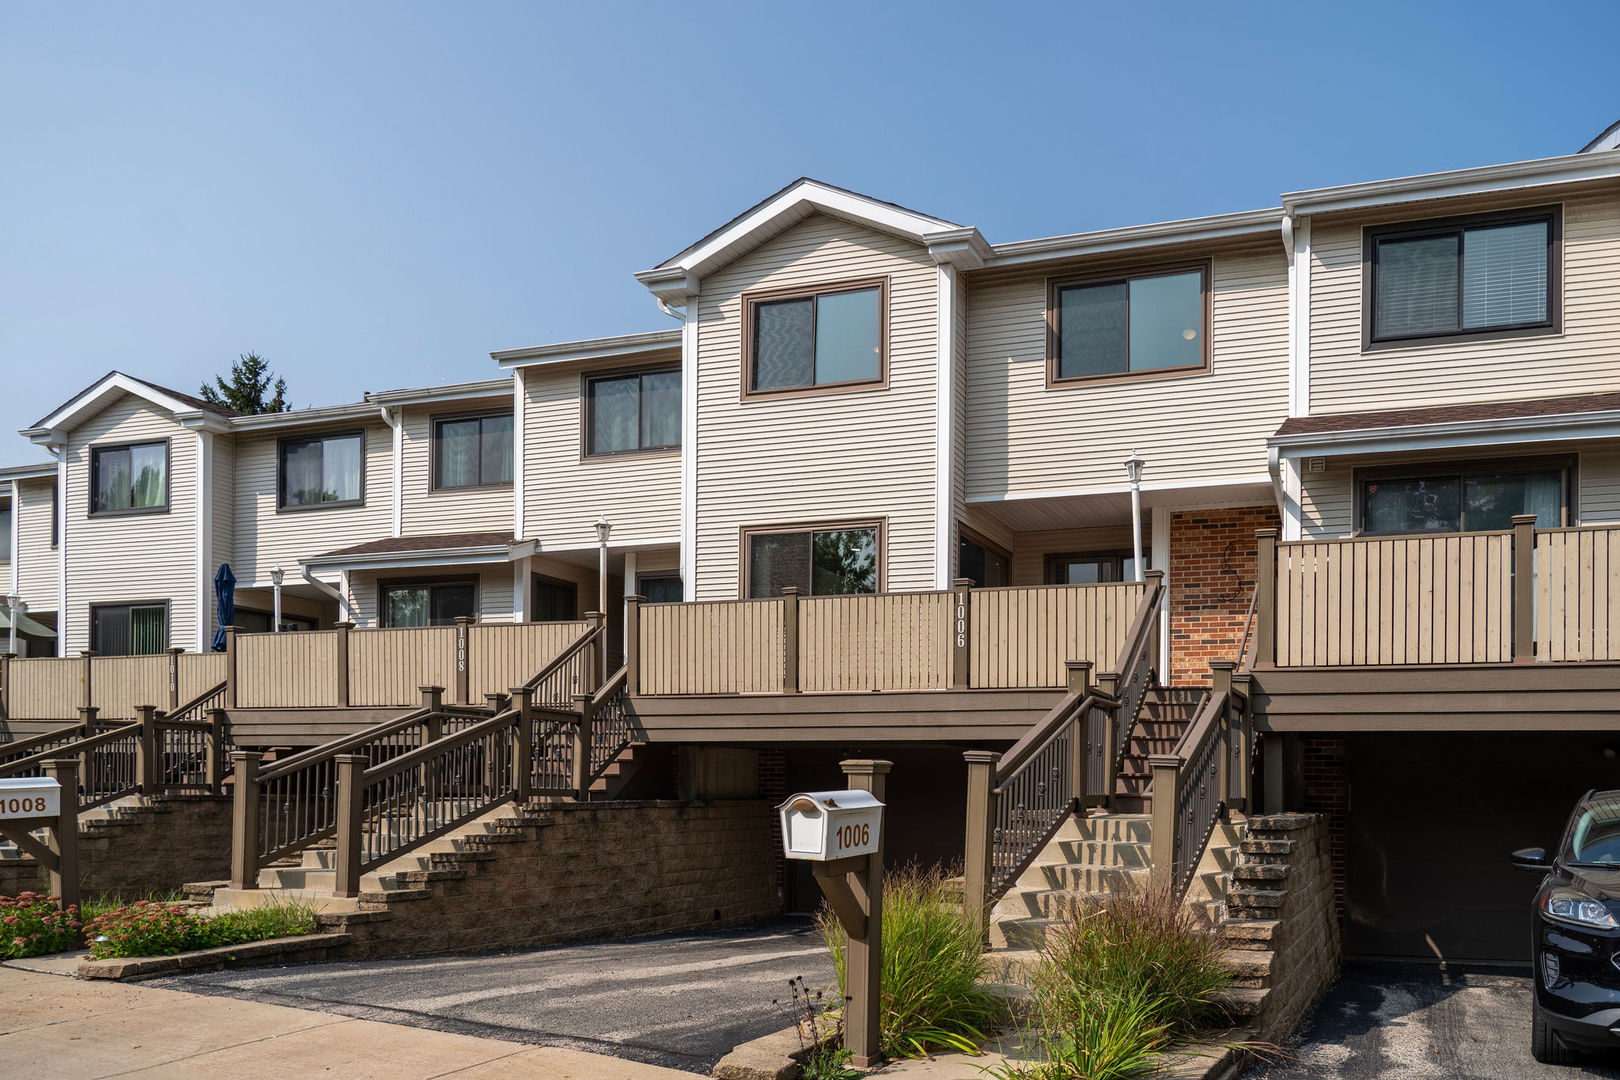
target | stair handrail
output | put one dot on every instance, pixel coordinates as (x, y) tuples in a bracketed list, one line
[(569, 655), (1135, 665), (611, 728), (1248, 629), (19, 766), (198, 704), (344, 744), (21, 748)]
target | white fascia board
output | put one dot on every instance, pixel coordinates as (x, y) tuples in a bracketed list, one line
[(796, 202), (1122, 489), (405, 560), (1462, 433), (603, 348), (326, 414), (655, 544), (1542, 172), (42, 471), (197, 420), (428, 395), (89, 401), (1132, 237), (45, 436), (963, 248), (672, 284)]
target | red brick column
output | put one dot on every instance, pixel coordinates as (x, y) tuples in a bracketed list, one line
[(1212, 573)]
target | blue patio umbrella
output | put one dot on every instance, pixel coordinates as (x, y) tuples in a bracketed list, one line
[(225, 593)]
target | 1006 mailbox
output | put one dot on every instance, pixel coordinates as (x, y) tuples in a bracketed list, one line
[(823, 826)]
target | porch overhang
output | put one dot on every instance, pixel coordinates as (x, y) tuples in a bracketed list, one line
[(416, 552), (1582, 417)]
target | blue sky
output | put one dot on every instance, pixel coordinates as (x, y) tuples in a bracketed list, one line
[(377, 195)]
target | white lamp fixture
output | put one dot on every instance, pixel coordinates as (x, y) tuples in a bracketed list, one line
[(603, 529), (1133, 472), (14, 605), (276, 574)]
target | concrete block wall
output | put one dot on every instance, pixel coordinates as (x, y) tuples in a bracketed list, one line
[(1213, 562), (152, 845), (573, 872), (1281, 906)]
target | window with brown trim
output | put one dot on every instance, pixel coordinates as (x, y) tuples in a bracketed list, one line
[(1091, 568), (1152, 323), (1490, 275), (428, 603), (321, 470), (472, 451), (810, 339), (631, 412), (833, 559), (130, 479), (1470, 496)]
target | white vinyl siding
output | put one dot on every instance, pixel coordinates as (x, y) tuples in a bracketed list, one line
[(564, 493), (468, 509), (1598, 500), (36, 568), (265, 537), (134, 557), (1024, 438), (858, 453), (1583, 359)]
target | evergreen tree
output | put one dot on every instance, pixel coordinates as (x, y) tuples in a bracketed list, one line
[(250, 380)]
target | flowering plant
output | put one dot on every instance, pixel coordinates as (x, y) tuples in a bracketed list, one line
[(32, 924)]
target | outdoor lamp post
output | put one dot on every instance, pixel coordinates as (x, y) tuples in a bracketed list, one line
[(276, 574), (1133, 471), (602, 531), (14, 606)]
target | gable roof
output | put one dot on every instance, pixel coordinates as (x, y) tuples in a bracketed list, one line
[(93, 398), (1609, 139), (680, 276)]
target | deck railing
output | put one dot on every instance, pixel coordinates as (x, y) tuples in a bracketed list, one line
[(1000, 638), (1519, 596)]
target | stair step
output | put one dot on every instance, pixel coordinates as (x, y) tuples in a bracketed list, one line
[(1126, 853), (1243, 1002), (1250, 969)]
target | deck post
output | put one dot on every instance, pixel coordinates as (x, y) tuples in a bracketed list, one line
[(432, 698), (1265, 599), (977, 849), (350, 814), (1166, 781), (863, 957), (88, 698), (632, 643), (1220, 674), (64, 842), (1243, 746), (495, 702), (343, 675), (230, 667), (790, 639), (146, 763), (1079, 681), (463, 656), (1524, 588), (5, 684), (216, 750), (245, 820), (87, 728), (580, 778), (523, 752), (961, 636), (1108, 683), (174, 678)]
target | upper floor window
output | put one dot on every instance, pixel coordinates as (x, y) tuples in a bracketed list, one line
[(130, 479), (322, 470), (1147, 323), (472, 451), (820, 561), (804, 340), (631, 412), (1491, 274), (1470, 497)]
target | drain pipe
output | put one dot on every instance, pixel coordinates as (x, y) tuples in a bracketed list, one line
[(667, 310), (343, 601)]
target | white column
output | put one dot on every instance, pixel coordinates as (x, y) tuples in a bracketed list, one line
[(1161, 561), (519, 401), (944, 424), (629, 589), (396, 421), (520, 590), (689, 448), (16, 539), (205, 539), (61, 453)]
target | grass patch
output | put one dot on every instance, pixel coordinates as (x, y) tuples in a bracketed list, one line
[(1120, 982), (933, 967), (156, 929)]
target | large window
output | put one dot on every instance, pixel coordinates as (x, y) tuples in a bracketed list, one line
[(820, 561), (660, 588), (1490, 274), (555, 601), (633, 412), (832, 337), (129, 629), (987, 567), (428, 603), (1090, 568), (322, 470), (129, 479), (1464, 498), (472, 451), (1144, 324)]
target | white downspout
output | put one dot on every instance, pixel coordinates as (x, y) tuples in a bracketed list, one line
[(395, 419), (16, 537), (343, 601)]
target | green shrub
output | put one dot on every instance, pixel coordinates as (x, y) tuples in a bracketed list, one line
[(154, 929), (31, 924), (933, 967)]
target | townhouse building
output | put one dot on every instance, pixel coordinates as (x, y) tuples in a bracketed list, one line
[(1361, 445)]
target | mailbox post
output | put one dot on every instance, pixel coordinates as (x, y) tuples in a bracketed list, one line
[(49, 802), (841, 832)]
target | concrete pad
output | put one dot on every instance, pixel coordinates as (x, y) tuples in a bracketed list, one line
[(62, 963), (556, 1063)]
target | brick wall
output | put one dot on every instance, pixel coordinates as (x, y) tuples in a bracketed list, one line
[(137, 850), (1213, 557), (575, 872)]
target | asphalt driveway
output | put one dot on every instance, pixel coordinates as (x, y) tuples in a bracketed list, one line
[(679, 1000), (1419, 1023)]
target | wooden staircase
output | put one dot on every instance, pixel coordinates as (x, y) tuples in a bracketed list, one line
[(1166, 713)]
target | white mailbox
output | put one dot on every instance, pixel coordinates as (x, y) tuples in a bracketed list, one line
[(29, 797), (825, 825)]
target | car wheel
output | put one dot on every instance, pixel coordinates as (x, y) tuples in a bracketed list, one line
[(1545, 1047)]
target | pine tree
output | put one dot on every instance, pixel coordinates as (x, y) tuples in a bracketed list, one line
[(250, 379)]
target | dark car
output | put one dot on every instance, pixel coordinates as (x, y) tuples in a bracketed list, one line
[(1576, 945)]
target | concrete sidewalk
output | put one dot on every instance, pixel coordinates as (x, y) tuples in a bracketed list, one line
[(56, 1028)]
